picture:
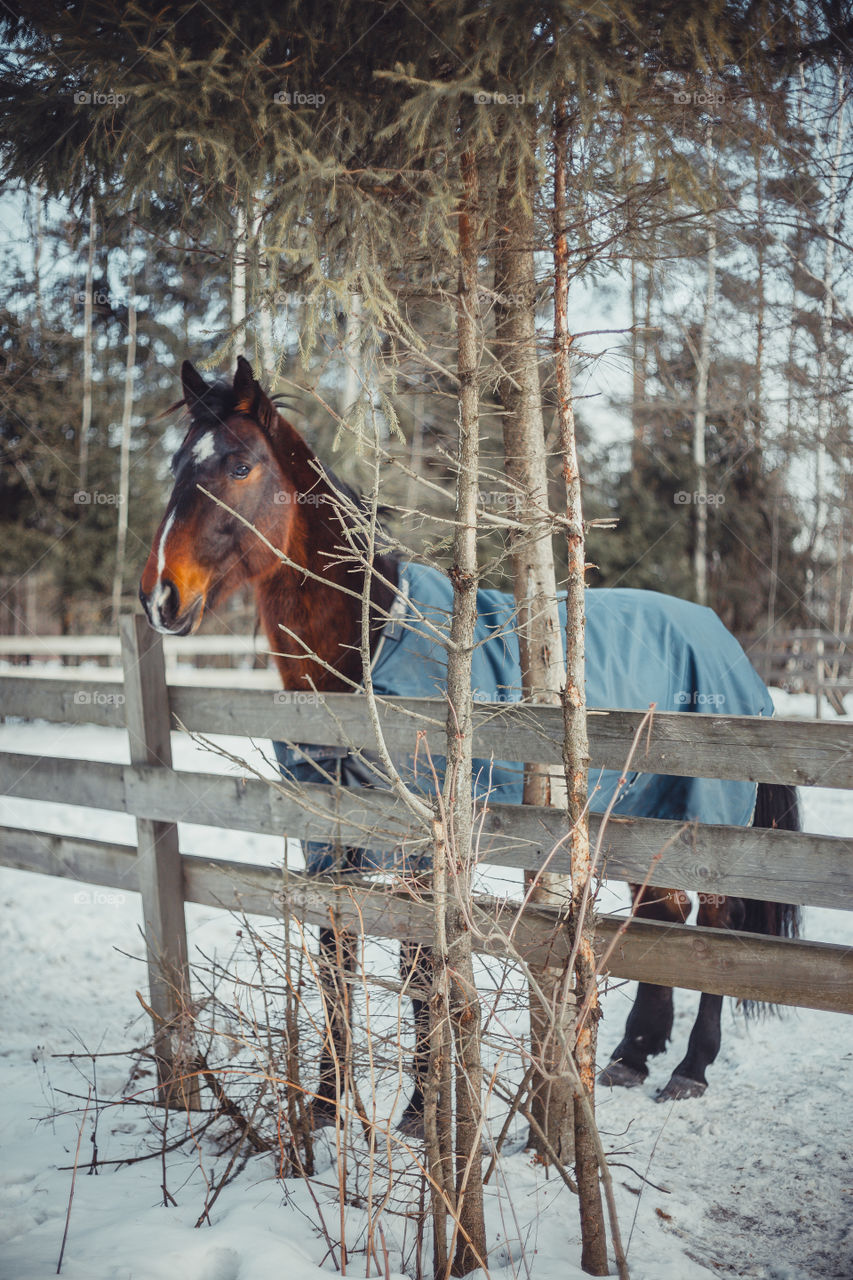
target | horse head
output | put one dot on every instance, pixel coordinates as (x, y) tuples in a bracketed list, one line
[(237, 477)]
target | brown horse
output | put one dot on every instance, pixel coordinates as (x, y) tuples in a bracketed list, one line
[(242, 451)]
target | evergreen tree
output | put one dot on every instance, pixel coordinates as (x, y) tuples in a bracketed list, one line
[(320, 150)]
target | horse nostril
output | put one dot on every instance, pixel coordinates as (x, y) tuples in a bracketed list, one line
[(167, 600), (161, 604)]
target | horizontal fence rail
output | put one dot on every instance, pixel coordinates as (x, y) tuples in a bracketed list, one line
[(815, 662), (110, 646), (752, 862), (769, 865), (816, 975), (799, 752)]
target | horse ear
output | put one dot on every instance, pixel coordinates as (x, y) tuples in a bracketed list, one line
[(266, 413), (195, 387), (244, 385), (250, 397)]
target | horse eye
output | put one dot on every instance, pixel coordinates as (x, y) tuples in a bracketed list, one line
[(241, 470)]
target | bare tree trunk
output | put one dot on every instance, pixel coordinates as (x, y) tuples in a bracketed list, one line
[(86, 415), (264, 284), (458, 800), (416, 450), (700, 417), (760, 325), (438, 1094), (351, 387), (576, 745), (454, 1001), (539, 630), (238, 278), (641, 319), (774, 572), (638, 369), (825, 333), (841, 541), (126, 418), (761, 300), (38, 245), (787, 441)]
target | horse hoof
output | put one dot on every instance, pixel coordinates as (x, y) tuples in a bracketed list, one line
[(412, 1125), (618, 1074), (681, 1087)]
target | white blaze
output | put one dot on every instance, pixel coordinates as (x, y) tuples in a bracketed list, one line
[(160, 593), (203, 448)]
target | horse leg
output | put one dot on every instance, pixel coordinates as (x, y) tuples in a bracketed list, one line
[(416, 973), (775, 806), (688, 1078), (336, 960), (649, 1024)]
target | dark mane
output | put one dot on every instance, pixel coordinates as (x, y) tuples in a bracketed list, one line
[(215, 407)]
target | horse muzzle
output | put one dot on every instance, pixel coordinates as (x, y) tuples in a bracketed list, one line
[(167, 613)]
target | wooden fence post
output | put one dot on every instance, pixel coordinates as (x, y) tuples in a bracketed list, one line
[(159, 866)]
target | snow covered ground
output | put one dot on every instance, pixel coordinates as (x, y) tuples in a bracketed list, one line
[(752, 1180)]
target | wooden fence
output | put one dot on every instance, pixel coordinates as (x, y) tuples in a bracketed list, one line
[(773, 865), (809, 661), (805, 661), (107, 649)]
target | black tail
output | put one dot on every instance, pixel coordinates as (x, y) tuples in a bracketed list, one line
[(775, 806)]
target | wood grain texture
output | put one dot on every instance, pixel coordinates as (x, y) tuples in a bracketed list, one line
[(63, 699), (159, 870), (800, 752), (776, 866), (809, 974)]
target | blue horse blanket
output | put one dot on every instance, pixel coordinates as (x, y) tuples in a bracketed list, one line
[(642, 647)]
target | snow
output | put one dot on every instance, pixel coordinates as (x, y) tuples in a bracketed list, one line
[(752, 1180)]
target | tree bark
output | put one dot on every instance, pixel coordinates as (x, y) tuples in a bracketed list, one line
[(126, 419), (576, 744), (265, 292), (638, 370), (38, 245), (454, 855), (825, 332), (351, 384), (700, 417), (539, 629), (438, 1094), (761, 289), (86, 414), (238, 278)]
